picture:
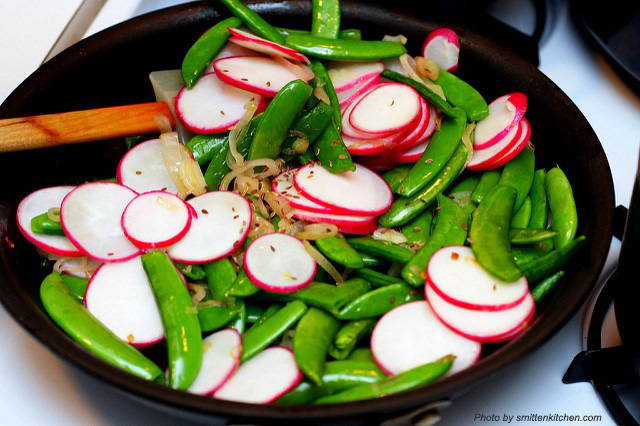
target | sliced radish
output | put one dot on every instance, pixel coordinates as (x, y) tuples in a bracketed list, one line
[(361, 192), (283, 185), (346, 75), (454, 273), (262, 379), (378, 163), (90, 216), (279, 263), (156, 219), (220, 359), (340, 220), (389, 107), (258, 44), (504, 114), (240, 72), (212, 106), (518, 146), (483, 326), (413, 152), (411, 155), (40, 202), (411, 335), (486, 157), (119, 295), (350, 131), (346, 97), (221, 226), (443, 46), (142, 169)]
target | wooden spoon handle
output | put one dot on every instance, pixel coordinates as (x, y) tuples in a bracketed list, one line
[(42, 131)]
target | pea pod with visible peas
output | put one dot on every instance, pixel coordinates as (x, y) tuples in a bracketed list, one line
[(42, 224), (348, 336), (518, 174), (539, 205), (394, 177), (522, 217), (313, 336), (431, 96), (537, 268), (545, 286), (378, 302), (254, 21), (462, 95), (340, 251), (381, 249), (345, 50), (562, 205), (488, 180), (325, 18)]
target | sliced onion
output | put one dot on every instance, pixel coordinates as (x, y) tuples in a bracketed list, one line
[(398, 38), (272, 168), (184, 171), (74, 265), (467, 140), (388, 234), (278, 204), (199, 293), (315, 231), (323, 262), (409, 66), (234, 158), (303, 72), (260, 226)]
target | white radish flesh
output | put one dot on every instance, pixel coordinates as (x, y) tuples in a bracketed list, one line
[(262, 379), (483, 326), (443, 47), (346, 224), (212, 106), (346, 75), (283, 185), (231, 49), (518, 146), (91, 215), (40, 202), (411, 335), (350, 131), (486, 157), (142, 169), (119, 295), (348, 96), (504, 114), (220, 359), (279, 263), (258, 44), (156, 219), (454, 273), (389, 107), (361, 192)]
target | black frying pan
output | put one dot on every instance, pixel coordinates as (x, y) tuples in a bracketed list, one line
[(111, 68)]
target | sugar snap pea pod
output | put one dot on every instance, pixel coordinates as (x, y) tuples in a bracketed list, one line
[(394, 177), (179, 318), (311, 123), (273, 127), (347, 34), (218, 314), (539, 205), (268, 313), (240, 321), (375, 278), (42, 224), (325, 18), (331, 151), (518, 173), (370, 261), (361, 355), (64, 308), (345, 50), (523, 254), (77, 285), (450, 229), (562, 205), (242, 286), (194, 272), (441, 147), (203, 147), (521, 218), (378, 302), (418, 376), (488, 180), (339, 250), (314, 334), (461, 194), (461, 94), (490, 233), (545, 286), (259, 337), (220, 277), (406, 208), (418, 230), (202, 52), (433, 98), (323, 81), (543, 266), (254, 313), (348, 336), (254, 21), (522, 236), (381, 249)]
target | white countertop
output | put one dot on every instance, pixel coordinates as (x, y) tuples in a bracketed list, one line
[(38, 388)]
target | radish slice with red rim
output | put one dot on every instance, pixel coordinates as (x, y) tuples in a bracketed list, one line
[(454, 273), (156, 219), (504, 114), (350, 131), (486, 157), (411, 155), (283, 185), (411, 335), (142, 169), (37, 203), (258, 44), (341, 221), (483, 326), (361, 192), (279, 263), (90, 216), (262, 379), (119, 295), (212, 106), (222, 225), (387, 108), (518, 146), (346, 75), (220, 359), (443, 46), (347, 97)]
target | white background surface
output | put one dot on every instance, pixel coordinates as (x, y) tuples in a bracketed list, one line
[(37, 388)]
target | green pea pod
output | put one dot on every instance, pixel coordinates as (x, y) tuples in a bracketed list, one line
[(323, 80), (314, 334), (348, 336), (78, 286), (522, 217), (67, 312), (345, 50), (179, 318), (213, 317), (254, 313), (347, 34), (240, 321), (200, 55), (418, 230), (539, 205), (361, 355), (254, 21), (370, 261), (394, 177), (418, 376), (312, 124), (381, 249), (545, 286), (42, 224), (203, 147), (490, 234), (450, 229), (523, 254), (378, 302), (220, 277), (306, 158), (339, 250), (522, 236), (518, 173), (331, 151), (268, 313), (488, 180), (550, 263), (461, 194), (261, 336), (441, 147), (194, 272), (406, 208), (276, 120), (462, 95), (377, 279), (325, 18), (242, 286), (433, 98), (562, 205)]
